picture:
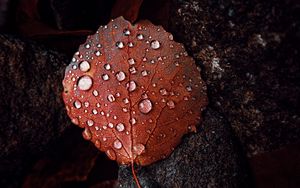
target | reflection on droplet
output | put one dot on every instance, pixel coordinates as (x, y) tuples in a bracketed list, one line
[(77, 104), (120, 76), (155, 44), (117, 144), (145, 106), (171, 104), (85, 83), (120, 127), (131, 86)]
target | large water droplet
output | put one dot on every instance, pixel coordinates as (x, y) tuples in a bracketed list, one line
[(119, 45), (77, 104), (131, 86), (139, 149), (120, 76), (120, 127), (117, 144), (111, 154), (140, 36), (105, 77), (171, 104), (87, 134), (85, 83), (111, 98), (155, 44), (145, 106)]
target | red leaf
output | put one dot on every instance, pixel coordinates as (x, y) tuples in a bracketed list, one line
[(134, 90)]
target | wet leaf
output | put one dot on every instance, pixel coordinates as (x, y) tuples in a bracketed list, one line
[(134, 90)]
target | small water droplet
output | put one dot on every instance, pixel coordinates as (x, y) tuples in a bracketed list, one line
[(90, 122), (189, 88), (111, 154), (139, 149), (87, 134), (98, 53), (144, 73), (155, 44), (140, 36), (74, 67), (86, 104), (126, 101), (85, 83), (111, 98), (132, 70), (133, 121), (99, 45), (130, 44), (107, 67), (110, 125), (95, 93), (171, 37), (126, 32), (87, 46), (131, 86), (163, 91), (171, 104), (117, 144), (77, 104), (131, 61), (97, 144), (120, 127), (119, 45), (105, 77), (177, 56), (145, 106), (95, 111), (120, 76)]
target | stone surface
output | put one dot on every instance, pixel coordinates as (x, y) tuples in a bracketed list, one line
[(31, 108)]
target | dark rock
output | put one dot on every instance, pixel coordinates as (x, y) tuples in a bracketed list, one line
[(31, 109), (210, 158), (249, 52)]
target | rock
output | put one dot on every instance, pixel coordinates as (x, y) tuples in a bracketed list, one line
[(210, 158), (31, 108)]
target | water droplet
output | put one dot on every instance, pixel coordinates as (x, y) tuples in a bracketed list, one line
[(163, 91), (97, 144), (105, 77), (119, 45), (77, 104), (133, 121), (111, 98), (171, 37), (144, 73), (130, 44), (99, 45), (86, 104), (155, 44), (107, 67), (117, 144), (85, 83), (110, 125), (74, 67), (131, 61), (95, 93), (145, 106), (171, 104), (177, 56), (140, 36), (111, 154), (189, 88), (75, 121), (87, 134), (139, 149), (132, 70), (98, 53), (126, 32), (87, 46), (120, 127), (90, 122), (120, 76), (95, 111), (131, 86), (126, 101)]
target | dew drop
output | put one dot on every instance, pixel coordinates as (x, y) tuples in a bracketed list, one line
[(163, 91), (132, 70), (97, 144), (119, 45), (120, 76), (145, 106), (144, 73), (77, 104), (110, 125), (87, 134), (98, 53), (120, 127), (117, 144), (126, 101), (189, 88), (155, 44), (105, 77), (111, 98), (90, 122), (87, 46), (95, 111), (126, 32), (171, 104), (139, 149), (171, 37), (85, 83), (107, 67), (140, 36), (111, 154), (95, 93), (131, 86), (131, 61), (74, 67), (130, 44)]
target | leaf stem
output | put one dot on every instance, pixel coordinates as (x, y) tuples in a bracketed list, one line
[(134, 175)]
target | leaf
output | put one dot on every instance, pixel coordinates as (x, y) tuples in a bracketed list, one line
[(134, 90)]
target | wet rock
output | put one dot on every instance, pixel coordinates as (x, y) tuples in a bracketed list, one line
[(31, 109), (210, 158)]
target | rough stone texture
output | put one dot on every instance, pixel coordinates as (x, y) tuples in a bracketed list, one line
[(210, 158), (31, 109), (249, 51)]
